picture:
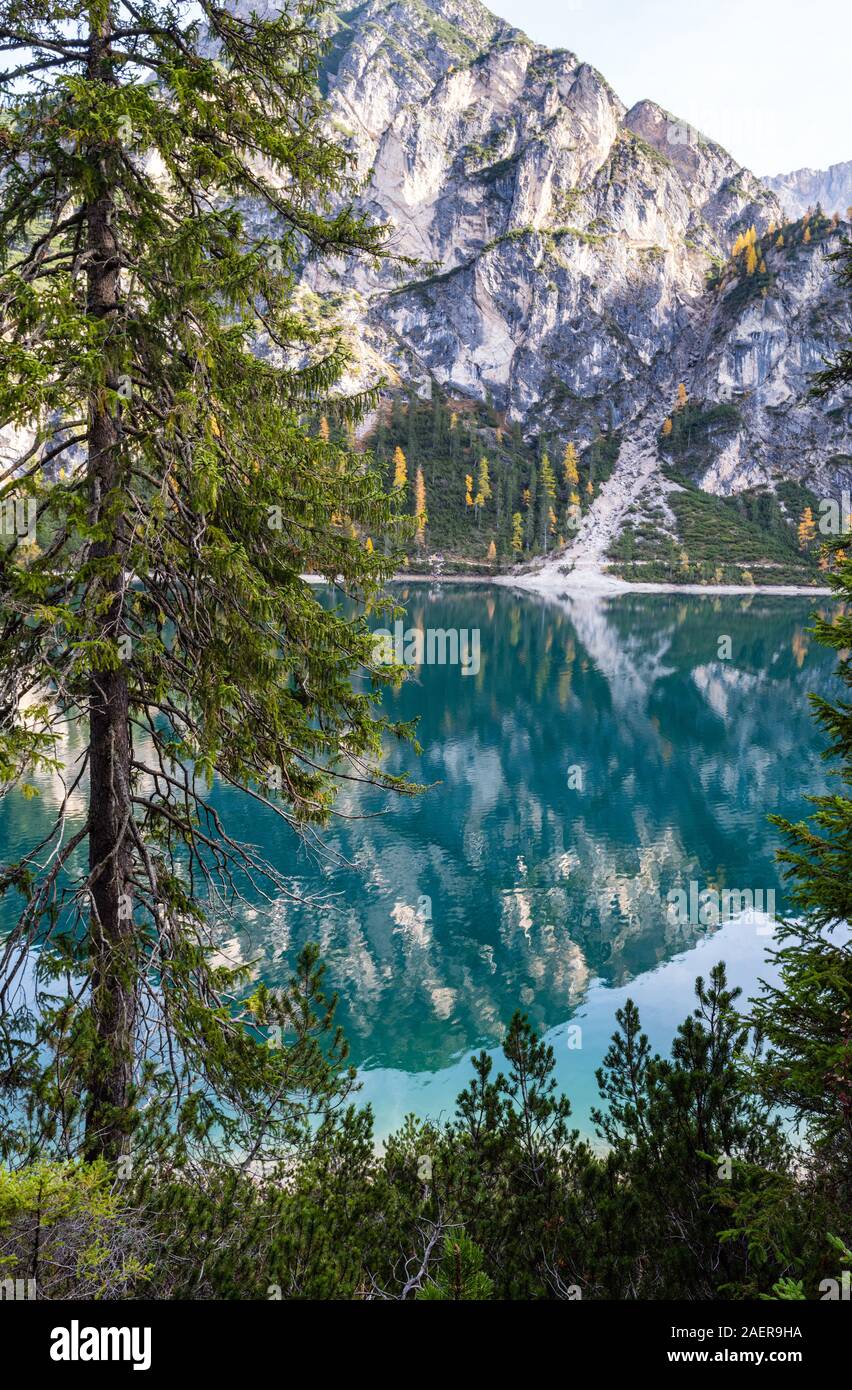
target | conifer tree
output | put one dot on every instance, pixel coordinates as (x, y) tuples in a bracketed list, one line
[(500, 487), (400, 468), (670, 1124), (455, 438), (807, 1017), (517, 532), (569, 467), (166, 610), (531, 498), (460, 1276), (437, 422), (806, 529), (420, 515), (548, 490), (411, 422), (483, 486)]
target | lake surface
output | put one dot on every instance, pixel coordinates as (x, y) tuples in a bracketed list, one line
[(602, 757)]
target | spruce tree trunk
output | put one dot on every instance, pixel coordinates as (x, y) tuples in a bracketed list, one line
[(110, 920)]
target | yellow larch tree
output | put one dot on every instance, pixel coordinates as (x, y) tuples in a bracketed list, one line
[(569, 466), (548, 478), (548, 487), (806, 528), (400, 468), (483, 486), (420, 506)]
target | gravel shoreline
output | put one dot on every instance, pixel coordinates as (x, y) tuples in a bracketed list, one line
[(600, 584)]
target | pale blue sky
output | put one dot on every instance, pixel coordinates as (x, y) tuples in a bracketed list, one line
[(770, 81)]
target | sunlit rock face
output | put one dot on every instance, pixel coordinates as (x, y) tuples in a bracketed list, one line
[(563, 244)]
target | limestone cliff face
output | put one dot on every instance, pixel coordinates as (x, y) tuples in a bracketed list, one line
[(564, 243), (759, 356)]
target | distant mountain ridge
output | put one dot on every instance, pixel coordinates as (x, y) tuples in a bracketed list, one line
[(831, 188)]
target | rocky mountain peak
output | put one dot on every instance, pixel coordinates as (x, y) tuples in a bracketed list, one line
[(574, 257), (389, 54)]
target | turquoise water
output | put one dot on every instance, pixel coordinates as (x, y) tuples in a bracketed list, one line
[(602, 756)]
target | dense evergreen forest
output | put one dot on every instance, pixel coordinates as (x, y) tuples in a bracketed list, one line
[(493, 498)]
